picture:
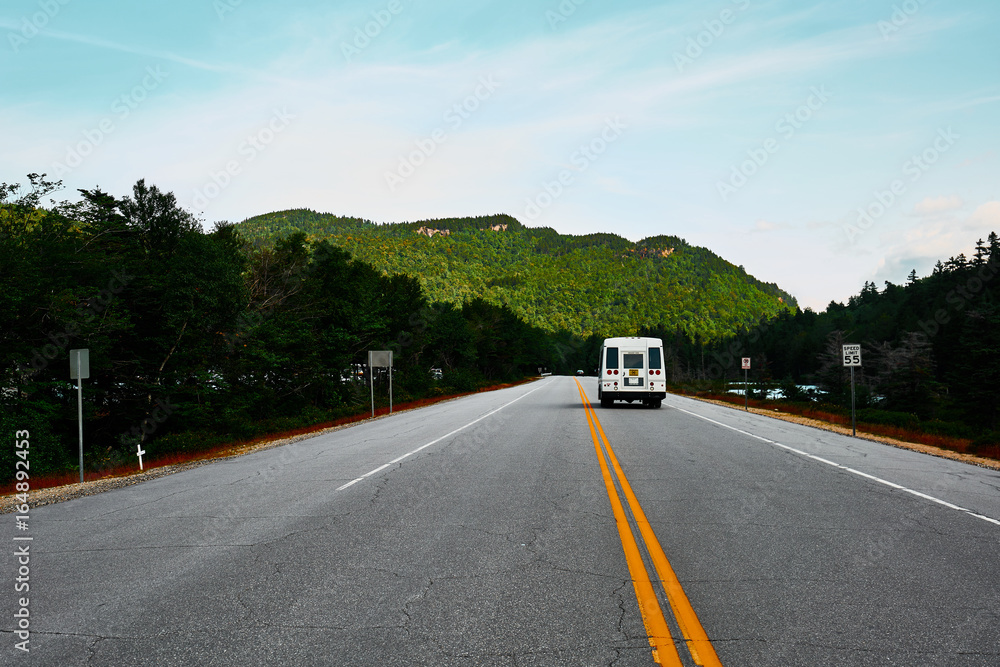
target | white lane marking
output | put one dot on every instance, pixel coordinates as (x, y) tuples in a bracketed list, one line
[(844, 468), (432, 442)]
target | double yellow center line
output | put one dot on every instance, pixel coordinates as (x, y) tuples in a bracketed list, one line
[(664, 647)]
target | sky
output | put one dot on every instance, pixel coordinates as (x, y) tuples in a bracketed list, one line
[(819, 145)]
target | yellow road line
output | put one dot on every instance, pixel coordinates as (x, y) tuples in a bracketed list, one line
[(698, 643), (664, 650)]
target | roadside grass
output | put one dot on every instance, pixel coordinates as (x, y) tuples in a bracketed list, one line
[(954, 444), (236, 447)]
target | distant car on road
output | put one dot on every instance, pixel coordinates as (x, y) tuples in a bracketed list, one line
[(579, 372)]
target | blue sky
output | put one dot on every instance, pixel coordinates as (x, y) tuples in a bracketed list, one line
[(818, 144)]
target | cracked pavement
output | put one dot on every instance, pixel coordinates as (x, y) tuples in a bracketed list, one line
[(497, 546)]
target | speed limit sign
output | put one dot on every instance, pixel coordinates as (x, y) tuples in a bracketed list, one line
[(852, 355)]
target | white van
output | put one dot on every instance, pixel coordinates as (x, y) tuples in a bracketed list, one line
[(631, 369)]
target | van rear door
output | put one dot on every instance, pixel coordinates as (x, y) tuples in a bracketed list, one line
[(634, 366)]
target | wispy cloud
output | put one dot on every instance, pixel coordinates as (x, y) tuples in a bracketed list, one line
[(108, 45), (939, 237), (763, 226), (934, 206), (986, 217)]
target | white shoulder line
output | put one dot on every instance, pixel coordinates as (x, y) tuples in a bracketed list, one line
[(432, 442), (842, 467)]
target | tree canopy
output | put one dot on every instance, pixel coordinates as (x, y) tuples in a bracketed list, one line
[(593, 284)]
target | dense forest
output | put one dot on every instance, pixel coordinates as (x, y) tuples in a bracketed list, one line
[(930, 350), (198, 337), (595, 284)]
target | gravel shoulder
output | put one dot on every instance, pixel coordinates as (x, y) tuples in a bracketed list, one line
[(58, 494), (902, 444)]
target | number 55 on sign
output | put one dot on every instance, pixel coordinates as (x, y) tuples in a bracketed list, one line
[(852, 355)]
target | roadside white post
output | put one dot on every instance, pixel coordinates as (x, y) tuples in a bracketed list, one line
[(79, 368), (746, 368), (139, 451), (852, 358), (380, 359)]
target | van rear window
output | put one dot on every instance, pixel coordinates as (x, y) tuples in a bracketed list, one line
[(654, 358), (611, 358), (633, 360)]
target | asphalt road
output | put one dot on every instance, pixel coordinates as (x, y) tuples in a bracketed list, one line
[(480, 531)]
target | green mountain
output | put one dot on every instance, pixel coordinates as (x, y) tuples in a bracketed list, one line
[(593, 284)]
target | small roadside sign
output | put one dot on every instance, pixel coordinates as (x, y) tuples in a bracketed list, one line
[(746, 384), (379, 359), (79, 370), (852, 358), (79, 364)]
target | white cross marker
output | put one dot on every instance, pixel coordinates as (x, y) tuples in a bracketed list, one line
[(139, 452)]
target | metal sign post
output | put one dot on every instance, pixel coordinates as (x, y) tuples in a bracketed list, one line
[(854, 423), (852, 358), (746, 386), (79, 368), (380, 359)]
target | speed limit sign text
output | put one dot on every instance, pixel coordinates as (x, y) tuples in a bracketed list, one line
[(852, 355)]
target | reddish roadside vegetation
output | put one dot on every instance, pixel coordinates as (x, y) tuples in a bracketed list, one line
[(960, 445), (237, 446)]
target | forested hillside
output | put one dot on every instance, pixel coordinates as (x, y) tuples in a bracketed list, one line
[(596, 284)]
